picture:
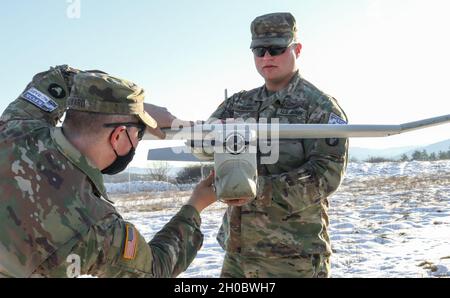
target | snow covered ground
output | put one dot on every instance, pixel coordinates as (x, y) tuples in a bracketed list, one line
[(387, 220)]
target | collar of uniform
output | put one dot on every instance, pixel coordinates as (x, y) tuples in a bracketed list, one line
[(281, 94), (293, 84), (79, 160)]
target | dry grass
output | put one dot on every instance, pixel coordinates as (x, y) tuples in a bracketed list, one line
[(150, 201), (150, 195), (402, 186), (428, 266), (155, 201)]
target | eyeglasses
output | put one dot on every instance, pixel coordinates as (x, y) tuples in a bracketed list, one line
[(273, 51), (141, 127)]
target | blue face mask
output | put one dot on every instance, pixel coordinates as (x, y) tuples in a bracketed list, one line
[(121, 162)]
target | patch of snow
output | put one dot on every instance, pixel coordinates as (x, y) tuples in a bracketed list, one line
[(381, 225)]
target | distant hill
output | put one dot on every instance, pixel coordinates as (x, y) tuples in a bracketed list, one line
[(441, 146), (395, 153), (365, 153)]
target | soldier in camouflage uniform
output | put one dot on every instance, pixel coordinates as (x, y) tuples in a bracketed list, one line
[(56, 218), (283, 231)]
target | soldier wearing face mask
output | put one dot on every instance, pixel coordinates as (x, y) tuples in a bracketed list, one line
[(54, 206)]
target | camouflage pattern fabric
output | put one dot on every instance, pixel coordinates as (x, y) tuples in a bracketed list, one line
[(103, 93), (312, 266), (289, 217), (275, 29), (54, 208)]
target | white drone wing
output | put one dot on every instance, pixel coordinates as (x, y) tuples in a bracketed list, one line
[(302, 131), (173, 154), (199, 133)]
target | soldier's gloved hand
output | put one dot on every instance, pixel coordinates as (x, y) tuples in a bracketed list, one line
[(238, 202)]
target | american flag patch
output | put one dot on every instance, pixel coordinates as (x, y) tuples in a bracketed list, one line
[(129, 251)]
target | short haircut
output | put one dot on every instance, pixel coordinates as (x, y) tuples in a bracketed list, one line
[(91, 123)]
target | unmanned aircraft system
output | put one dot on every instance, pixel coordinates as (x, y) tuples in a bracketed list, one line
[(238, 147)]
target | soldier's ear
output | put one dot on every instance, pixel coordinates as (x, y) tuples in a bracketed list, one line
[(115, 136), (298, 49)]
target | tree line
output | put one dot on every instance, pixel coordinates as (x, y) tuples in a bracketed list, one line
[(419, 155), (192, 174)]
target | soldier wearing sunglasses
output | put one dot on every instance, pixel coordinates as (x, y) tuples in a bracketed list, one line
[(55, 214), (283, 231)]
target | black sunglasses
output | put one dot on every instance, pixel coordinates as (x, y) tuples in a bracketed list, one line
[(273, 51), (142, 127)]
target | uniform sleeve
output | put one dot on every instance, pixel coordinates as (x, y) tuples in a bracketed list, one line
[(114, 248), (44, 98), (223, 111), (326, 159)]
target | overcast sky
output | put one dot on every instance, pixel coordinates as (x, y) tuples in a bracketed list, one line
[(387, 62)]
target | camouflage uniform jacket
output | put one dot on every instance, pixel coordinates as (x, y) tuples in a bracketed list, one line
[(54, 209), (289, 216)]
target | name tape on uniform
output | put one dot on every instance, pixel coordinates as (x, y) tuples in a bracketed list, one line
[(40, 100), (335, 119)]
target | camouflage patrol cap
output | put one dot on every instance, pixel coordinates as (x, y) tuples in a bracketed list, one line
[(101, 93), (275, 29)]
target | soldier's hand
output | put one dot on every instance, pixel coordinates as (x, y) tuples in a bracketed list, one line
[(203, 194), (238, 202), (163, 118), (264, 192)]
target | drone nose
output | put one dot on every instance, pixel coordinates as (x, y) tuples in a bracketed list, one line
[(235, 179)]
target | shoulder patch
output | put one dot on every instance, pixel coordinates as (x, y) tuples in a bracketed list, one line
[(335, 119), (130, 248), (56, 91), (39, 99)]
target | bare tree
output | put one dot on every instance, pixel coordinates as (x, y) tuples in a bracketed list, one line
[(159, 171), (192, 174)]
